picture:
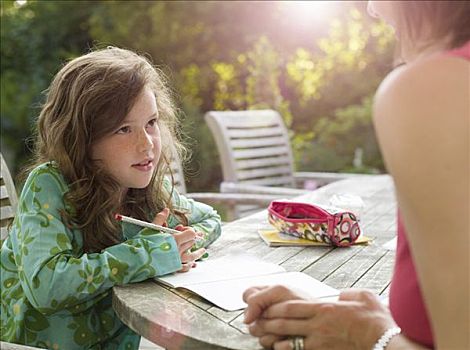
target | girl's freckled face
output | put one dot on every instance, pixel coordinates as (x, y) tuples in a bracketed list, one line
[(131, 153)]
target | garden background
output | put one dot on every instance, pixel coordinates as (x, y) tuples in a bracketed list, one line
[(318, 63)]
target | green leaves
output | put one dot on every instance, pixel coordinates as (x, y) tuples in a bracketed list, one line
[(92, 278), (10, 282), (35, 321), (118, 270), (165, 246), (63, 243), (218, 55)]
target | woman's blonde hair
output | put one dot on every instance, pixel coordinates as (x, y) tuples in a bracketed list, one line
[(87, 100), (449, 22)]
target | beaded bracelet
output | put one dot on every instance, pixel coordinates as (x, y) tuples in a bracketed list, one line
[(386, 337)]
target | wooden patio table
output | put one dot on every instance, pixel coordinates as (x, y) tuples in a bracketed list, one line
[(178, 319)]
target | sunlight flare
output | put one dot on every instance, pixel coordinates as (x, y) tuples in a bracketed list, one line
[(307, 11)]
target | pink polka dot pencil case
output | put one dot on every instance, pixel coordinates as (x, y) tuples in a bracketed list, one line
[(309, 221)]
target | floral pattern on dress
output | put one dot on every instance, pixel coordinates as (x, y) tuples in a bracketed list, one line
[(57, 297)]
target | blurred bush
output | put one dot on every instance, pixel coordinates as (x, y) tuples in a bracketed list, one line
[(217, 55)]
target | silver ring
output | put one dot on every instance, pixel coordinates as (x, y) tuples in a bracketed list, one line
[(297, 343)]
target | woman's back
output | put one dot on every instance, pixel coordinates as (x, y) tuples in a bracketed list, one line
[(422, 119)]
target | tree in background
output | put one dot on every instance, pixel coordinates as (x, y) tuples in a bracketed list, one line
[(336, 86), (35, 40), (218, 55)]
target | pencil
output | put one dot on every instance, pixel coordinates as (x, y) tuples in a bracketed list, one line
[(130, 220)]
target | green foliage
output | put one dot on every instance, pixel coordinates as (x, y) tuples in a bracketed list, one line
[(217, 55), (335, 86), (251, 81), (35, 40), (348, 131)]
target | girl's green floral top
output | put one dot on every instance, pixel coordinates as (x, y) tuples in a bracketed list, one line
[(55, 296)]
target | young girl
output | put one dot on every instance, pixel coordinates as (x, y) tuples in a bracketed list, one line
[(103, 144), (421, 115)]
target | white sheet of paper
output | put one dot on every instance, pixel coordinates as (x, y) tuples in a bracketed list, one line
[(228, 294), (222, 281), (226, 268)]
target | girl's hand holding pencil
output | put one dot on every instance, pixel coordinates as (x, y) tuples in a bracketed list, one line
[(184, 236)]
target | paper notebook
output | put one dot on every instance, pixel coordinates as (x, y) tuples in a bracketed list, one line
[(222, 281), (274, 238)]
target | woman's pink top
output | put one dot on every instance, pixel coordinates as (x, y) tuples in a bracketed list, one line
[(406, 301)]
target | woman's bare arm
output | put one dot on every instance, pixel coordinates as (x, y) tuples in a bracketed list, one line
[(422, 115)]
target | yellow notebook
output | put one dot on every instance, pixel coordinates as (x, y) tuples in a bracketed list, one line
[(274, 238)]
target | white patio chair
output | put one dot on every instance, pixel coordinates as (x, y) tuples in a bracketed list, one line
[(256, 156), (8, 198), (8, 204)]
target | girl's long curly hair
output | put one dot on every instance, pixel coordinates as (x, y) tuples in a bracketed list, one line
[(86, 101)]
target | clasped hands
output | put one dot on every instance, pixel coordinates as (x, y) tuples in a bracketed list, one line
[(184, 240), (275, 314)]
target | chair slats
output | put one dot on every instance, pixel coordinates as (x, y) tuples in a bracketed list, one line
[(254, 150), (264, 173), (3, 234), (262, 162), (6, 213), (8, 200), (3, 192), (253, 146), (260, 152), (257, 142), (8, 191), (247, 133), (283, 181), (245, 120)]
